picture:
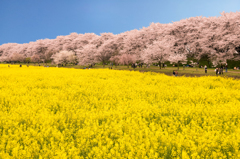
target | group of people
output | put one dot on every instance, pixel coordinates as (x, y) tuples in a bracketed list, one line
[(217, 70), (175, 73), (134, 65), (220, 69)]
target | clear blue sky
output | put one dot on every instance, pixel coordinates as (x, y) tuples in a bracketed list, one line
[(22, 21)]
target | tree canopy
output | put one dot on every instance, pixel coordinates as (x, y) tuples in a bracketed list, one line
[(217, 37)]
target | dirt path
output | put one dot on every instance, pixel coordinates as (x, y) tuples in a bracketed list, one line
[(195, 75), (233, 72)]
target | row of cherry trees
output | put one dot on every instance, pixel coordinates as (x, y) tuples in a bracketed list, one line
[(216, 37)]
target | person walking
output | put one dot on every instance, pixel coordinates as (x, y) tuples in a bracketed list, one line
[(226, 67), (216, 70), (221, 69), (173, 73), (205, 67)]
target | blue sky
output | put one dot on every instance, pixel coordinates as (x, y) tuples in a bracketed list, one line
[(22, 21)]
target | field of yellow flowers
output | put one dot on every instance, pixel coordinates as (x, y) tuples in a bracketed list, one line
[(100, 113)]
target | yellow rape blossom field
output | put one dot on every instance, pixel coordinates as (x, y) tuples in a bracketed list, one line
[(101, 113)]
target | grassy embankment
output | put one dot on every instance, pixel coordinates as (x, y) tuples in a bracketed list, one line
[(167, 70)]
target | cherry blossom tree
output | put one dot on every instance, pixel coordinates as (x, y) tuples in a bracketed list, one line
[(177, 58), (4, 59), (115, 60), (64, 57), (86, 55), (35, 58), (127, 59), (40, 48), (16, 57), (216, 37), (105, 52), (158, 52)]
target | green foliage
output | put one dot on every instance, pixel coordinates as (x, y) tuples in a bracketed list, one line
[(27, 59), (232, 64), (48, 61), (205, 61)]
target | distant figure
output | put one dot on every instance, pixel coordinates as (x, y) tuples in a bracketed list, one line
[(133, 65), (216, 70), (176, 73), (173, 73), (205, 67), (20, 65), (221, 69), (163, 65), (226, 67)]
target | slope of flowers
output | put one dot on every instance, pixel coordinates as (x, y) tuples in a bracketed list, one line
[(71, 113)]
